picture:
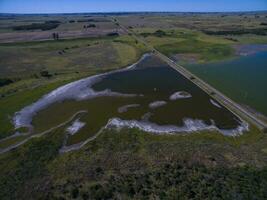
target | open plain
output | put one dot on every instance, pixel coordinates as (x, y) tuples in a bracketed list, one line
[(91, 106)]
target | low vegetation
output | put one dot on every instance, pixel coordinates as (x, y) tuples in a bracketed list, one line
[(135, 165), (5, 81), (257, 31), (48, 25), (125, 164)]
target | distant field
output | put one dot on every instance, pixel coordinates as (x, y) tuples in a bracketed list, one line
[(205, 37), (35, 28)]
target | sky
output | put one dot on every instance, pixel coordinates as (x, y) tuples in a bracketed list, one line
[(73, 6)]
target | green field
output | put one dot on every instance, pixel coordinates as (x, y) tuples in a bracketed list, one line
[(129, 163), (133, 165)]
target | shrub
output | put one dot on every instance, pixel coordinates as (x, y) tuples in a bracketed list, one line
[(45, 74), (113, 34), (5, 81)]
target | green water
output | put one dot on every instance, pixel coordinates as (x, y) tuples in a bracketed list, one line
[(151, 80), (243, 79)]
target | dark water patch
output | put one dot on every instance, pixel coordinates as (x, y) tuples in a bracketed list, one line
[(154, 82)]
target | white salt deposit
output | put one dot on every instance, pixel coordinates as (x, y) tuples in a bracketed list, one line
[(180, 95), (189, 126), (157, 104), (126, 107), (75, 127), (215, 103)]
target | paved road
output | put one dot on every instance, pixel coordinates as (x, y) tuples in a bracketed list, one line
[(235, 108)]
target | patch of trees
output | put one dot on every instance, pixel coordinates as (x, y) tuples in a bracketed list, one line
[(5, 81), (232, 39), (173, 181), (45, 74), (53, 21), (71, 21), (55, 36), (89, 26), (92, 20), (83, 20), (113, 34), (263, 24), (256, 31), (48, 25), (158, 33)]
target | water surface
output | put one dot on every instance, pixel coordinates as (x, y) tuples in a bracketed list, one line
[(150, 96), (243, 79)]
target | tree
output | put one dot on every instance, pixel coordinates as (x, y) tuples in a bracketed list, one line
[(55, 36), (45, 74)]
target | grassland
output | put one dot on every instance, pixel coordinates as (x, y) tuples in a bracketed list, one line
[(126, 164), (205, 37), (134, 165)]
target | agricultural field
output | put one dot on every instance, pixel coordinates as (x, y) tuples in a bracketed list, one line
[(21, 28), (65, 152), (199, 37)]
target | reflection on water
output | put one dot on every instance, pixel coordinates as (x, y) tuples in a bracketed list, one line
[(165, 102)]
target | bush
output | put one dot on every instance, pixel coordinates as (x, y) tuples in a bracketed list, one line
[(256, 31), (5, 81), (113, 34), (158, 33), (89, 26), (45, 74)]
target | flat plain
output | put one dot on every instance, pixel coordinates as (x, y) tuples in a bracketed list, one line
[(39, 53)]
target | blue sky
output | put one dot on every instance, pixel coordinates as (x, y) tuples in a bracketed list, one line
[(70, 6)]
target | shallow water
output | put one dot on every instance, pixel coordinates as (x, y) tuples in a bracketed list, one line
[(150, 82), (243, 79)]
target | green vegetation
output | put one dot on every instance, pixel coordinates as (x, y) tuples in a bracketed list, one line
[(48, 25), (198, 37), (207, 51), (258, 31), (5, 81), (125, 164), (158, 33), (134, 165), (28, 165), (205, 48)]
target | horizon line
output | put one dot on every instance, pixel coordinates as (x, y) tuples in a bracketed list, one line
[(110, 12)]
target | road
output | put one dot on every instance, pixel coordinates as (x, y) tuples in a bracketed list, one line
[(232, 106)]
